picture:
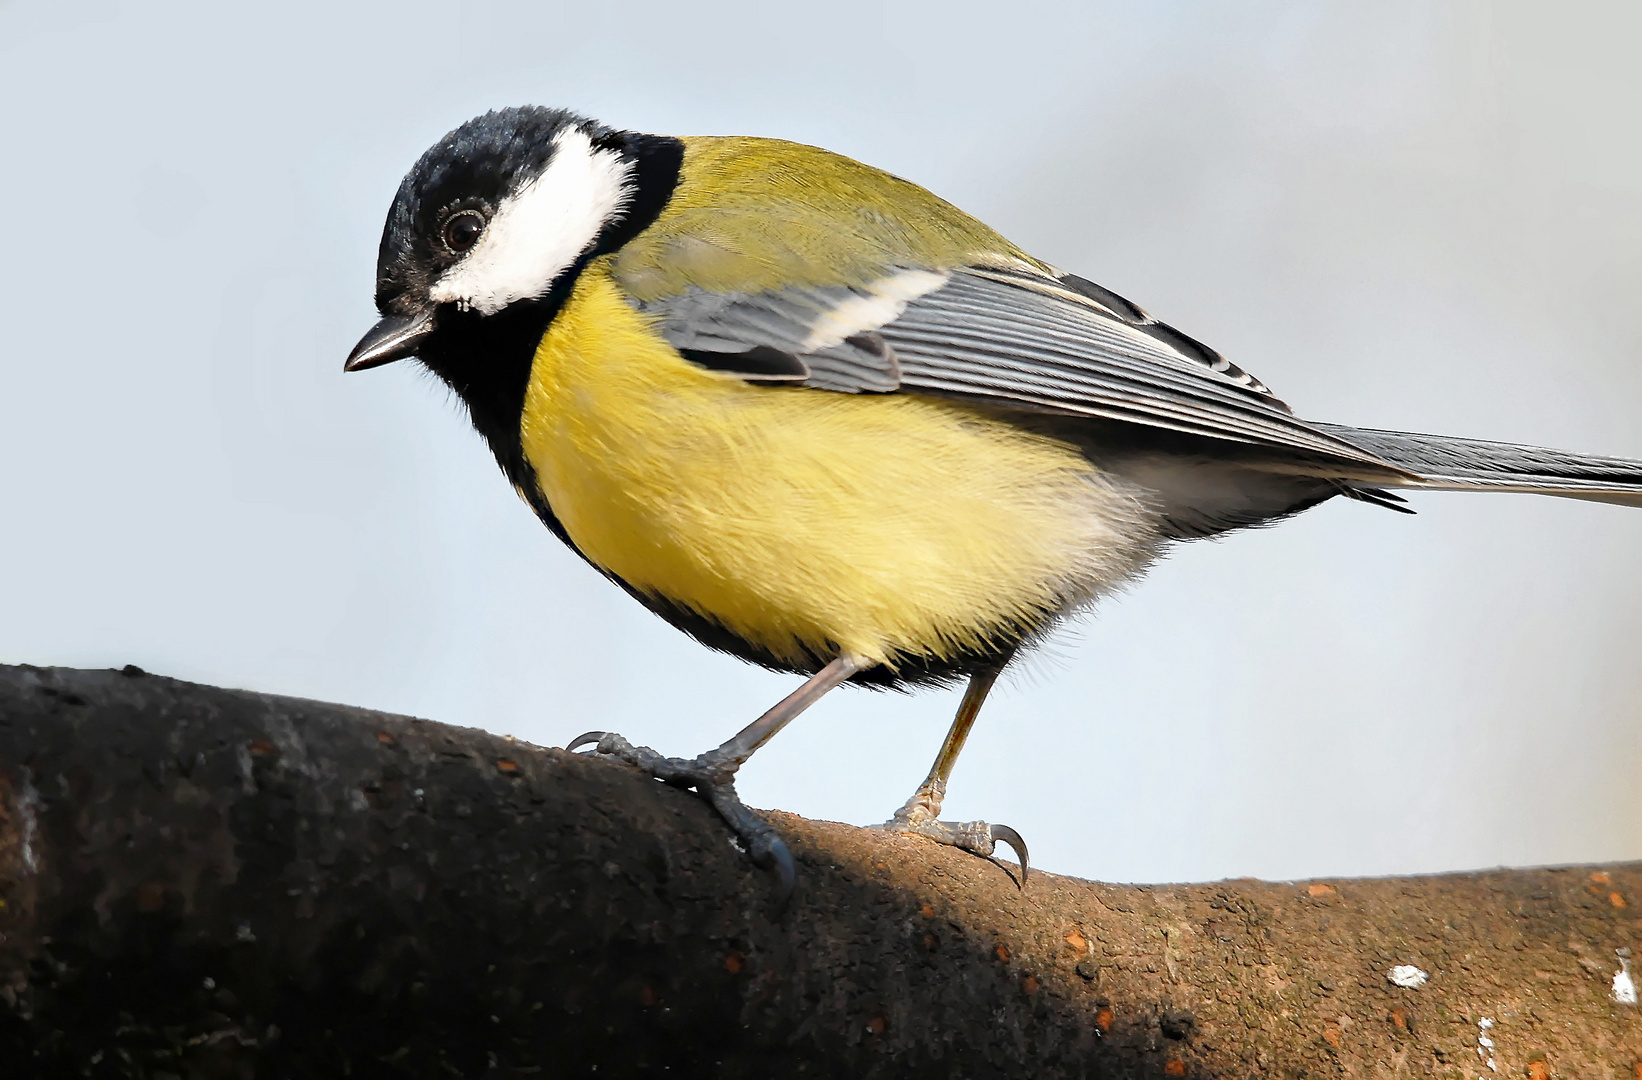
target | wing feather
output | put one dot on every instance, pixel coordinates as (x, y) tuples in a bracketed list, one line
[(1011, 337)]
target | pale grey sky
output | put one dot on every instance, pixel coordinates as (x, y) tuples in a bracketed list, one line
[(1400, 215)]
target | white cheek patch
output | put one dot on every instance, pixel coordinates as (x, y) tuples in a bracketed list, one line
[(539, 230)]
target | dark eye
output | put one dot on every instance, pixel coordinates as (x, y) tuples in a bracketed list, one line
[(462, 230)]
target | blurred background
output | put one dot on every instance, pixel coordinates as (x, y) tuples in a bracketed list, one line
[(1401, 215)]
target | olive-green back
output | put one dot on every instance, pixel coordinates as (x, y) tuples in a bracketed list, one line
[(753, 215)]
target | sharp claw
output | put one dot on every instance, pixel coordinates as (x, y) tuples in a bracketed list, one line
[(784, 869), (591, 738), (1013, 839)]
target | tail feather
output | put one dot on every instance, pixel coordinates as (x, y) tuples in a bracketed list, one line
[(1375, 496), (1443, 463)]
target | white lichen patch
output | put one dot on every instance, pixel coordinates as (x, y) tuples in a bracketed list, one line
[(28, 805), (1624, 986), (1485, 1045), (1407, 976)]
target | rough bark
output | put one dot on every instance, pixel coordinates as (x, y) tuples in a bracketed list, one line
[(201, 882)]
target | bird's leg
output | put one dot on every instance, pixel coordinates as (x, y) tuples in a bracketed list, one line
[(713, 774), (921, 813)]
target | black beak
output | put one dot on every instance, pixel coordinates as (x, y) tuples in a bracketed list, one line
[(394, 338)]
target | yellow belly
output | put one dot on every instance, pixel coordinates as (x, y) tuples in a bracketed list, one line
[(883, 525)]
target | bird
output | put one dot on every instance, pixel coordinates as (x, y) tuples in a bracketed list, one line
[(818, 418)]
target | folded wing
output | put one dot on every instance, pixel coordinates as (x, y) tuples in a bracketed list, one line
[(1000, 334)]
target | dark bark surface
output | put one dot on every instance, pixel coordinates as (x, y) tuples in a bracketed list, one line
[(200, 882)]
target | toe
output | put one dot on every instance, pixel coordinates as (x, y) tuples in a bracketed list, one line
[(713, 778), (769, 851), (975, 837)]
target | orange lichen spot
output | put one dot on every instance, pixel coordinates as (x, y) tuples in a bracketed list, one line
[(1538, 1070), (263, 748), (503, 765), (1030, 985), (877, 1024), (647, 995), (1174, 1067), (1317, 888), (384, 738), (927, 911), (1399, 1019), (1331, 1035), (1599, 877), (734, 962), (1103, 1021), (930, 942), (1638, 1070), (1003, 953), (1077, 941), (1617, 900)]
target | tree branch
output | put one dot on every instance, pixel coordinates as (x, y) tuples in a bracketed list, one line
[(202, 882)]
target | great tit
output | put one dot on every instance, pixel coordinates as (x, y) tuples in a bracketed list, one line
[(816, 417)]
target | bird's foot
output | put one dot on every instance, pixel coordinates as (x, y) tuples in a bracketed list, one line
[(921, 817), (712, 775)]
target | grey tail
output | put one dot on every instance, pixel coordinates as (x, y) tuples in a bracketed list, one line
[(1442, 463)]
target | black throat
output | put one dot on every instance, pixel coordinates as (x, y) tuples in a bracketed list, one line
[(486, 359)]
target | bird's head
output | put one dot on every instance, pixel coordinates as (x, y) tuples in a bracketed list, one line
[(493, 217)]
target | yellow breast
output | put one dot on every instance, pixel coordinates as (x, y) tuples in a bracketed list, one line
[(884, 525)]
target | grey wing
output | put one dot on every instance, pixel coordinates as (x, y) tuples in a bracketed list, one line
[(1010, 337), (774, 337)]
